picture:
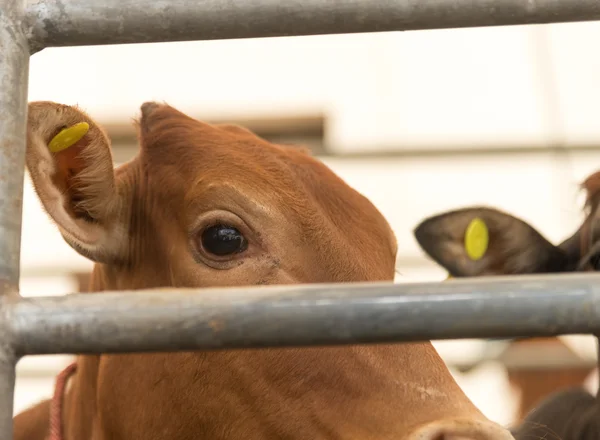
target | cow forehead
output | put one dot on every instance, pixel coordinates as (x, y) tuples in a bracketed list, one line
[(211, 165), (207, 160), (205, 169)]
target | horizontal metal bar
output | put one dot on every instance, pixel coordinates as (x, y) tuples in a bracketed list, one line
[(91, 22), (171, 319)]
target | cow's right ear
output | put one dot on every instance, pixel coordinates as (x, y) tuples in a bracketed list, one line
[(70, 163), (479, 241)]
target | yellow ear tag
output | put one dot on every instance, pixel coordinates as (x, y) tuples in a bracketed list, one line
[(476, 239), (68, 137), (449, 277)]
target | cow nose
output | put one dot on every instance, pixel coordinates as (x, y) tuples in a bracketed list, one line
[(461, 429)]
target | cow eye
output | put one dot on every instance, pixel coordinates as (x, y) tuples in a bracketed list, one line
[(222, 240)]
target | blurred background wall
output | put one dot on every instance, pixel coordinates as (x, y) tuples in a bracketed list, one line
[(419, 122)]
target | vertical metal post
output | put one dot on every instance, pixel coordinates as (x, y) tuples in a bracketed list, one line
[(7, 387), (14, 73)]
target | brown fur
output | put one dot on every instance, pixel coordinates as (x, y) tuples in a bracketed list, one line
[(303, 224)]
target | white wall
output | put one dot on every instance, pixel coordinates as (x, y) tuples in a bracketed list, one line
[(452, 89), (506, 86)]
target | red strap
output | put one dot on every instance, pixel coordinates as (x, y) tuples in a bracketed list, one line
[(56, 405)]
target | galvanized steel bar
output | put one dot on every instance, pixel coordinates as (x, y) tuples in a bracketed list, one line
[(89, 22), (14, 71), (7, 387), (172, 319)]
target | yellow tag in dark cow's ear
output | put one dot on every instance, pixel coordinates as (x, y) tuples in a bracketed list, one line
[(476, 239), (449, 277), (68, 137)]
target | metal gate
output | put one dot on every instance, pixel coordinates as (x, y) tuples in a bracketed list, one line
[(171, 319)]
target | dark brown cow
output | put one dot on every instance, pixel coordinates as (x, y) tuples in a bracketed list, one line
[(514, 248), (202, 206)]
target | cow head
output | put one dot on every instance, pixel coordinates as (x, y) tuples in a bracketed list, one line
[(204, 205)]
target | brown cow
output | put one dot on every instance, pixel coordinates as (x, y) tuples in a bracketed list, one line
[(205, 205), (515, 247)]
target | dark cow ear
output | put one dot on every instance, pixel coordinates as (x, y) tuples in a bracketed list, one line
[(479, 241)]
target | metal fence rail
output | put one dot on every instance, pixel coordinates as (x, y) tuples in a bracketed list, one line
[(295, 315), (81, 22), (185, 319)]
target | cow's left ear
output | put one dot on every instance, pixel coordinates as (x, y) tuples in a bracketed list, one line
[(481, 241), (70, 163)]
